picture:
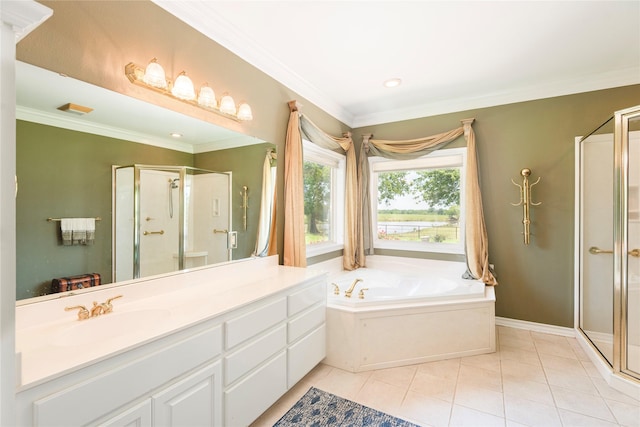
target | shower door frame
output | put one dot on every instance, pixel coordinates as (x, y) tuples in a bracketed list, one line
[(621, 239), (182, 171), (616, 374)]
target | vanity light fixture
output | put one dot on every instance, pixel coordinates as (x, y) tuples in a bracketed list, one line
[(153, 77), (392, 82)]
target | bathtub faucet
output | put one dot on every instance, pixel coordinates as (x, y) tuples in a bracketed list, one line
[(348, 292)]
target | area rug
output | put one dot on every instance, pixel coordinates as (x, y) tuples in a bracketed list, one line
[(318, 408)]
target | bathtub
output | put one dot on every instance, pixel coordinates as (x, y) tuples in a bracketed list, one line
[(385, 287), (413, 311)]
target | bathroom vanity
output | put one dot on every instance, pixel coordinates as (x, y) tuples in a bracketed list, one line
[(214, 346)]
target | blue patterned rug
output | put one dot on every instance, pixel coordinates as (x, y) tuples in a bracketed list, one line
[(318, 408)]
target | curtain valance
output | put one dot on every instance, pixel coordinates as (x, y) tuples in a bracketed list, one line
[(476, 242)]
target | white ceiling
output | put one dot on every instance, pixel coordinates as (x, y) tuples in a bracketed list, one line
[(450, 55)]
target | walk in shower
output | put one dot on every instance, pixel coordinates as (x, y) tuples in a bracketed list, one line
[(608, 246), (169, 218)]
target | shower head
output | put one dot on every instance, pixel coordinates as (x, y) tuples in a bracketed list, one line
[(174, 182)]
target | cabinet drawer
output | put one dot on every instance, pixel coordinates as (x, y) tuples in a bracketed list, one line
[(306, 322), (305, 298), (249, 357), (305, 354), (252, 323), (245, 401)]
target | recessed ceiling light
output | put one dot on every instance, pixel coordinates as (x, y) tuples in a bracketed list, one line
[(176, 134), (392, 83)]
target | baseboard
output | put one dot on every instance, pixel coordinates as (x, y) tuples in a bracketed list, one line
[(535, 327)]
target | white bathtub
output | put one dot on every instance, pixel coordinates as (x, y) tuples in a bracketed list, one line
[(380, 287), (414, 311)]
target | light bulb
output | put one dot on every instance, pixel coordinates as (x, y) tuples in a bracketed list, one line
[(154, 75), (183, 88), (244, 112), (207, 97), (227, 105)]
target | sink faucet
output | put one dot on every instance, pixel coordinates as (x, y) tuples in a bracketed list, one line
[(348, 292), (96, 310)]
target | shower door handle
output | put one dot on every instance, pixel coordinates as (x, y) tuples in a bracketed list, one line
[(594, 250), (146, 233)]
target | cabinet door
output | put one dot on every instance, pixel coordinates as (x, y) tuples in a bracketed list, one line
[(251, 396), (192, 401), (136, 416)]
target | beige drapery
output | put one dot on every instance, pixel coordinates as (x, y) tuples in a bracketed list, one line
[(265, 239), (299, 126), (476, 242), (294, 252)]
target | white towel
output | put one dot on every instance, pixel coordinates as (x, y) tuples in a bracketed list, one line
[(78, 231), (66, 227)]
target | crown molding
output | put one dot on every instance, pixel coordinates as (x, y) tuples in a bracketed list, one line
[(71, 123), (23, 16)]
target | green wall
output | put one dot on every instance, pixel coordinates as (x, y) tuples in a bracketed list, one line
[(535, 281), (64, 173), (246, 164)]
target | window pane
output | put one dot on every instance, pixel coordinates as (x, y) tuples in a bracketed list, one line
[(317, 202), (421, 205)]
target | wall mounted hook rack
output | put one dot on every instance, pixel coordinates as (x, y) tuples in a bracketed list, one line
[(526, 201)]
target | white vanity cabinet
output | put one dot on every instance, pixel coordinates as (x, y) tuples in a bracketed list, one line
[(223, 370), (270, 347)]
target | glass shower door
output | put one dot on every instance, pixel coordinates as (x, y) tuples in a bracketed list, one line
[(596, 157)]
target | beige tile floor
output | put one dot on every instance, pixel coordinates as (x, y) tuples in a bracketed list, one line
[(534, 379)]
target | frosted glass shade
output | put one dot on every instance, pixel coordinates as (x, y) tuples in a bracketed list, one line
[(183, 88), (207, 97), (244, 112), (154, 75), (227, 105)]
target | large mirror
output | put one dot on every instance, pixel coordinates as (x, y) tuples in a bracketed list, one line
[(65, 169)]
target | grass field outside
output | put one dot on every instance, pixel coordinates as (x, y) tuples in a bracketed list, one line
[(406, 226)]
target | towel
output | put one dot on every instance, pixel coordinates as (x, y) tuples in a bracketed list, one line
[(78, 231)]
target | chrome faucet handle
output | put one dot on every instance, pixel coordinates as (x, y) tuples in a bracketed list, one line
[(83, 313), (361, 293), (108, 308), (336, 289)]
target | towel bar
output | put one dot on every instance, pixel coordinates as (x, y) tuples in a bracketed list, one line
[(60, 219)]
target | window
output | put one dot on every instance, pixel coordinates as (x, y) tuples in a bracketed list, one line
[(418, 205), (324, 180)]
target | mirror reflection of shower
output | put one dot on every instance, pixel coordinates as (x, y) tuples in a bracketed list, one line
[(173, 185), (155, 232)]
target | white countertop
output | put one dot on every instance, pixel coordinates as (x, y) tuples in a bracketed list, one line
[(51, 341)]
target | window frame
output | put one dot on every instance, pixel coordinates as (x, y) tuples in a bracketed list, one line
[(337, 162), (443, 158)]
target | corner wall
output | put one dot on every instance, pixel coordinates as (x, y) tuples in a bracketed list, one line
[(535, 281)]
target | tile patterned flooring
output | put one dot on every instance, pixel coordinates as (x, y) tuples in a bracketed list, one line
[(534, 379)]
